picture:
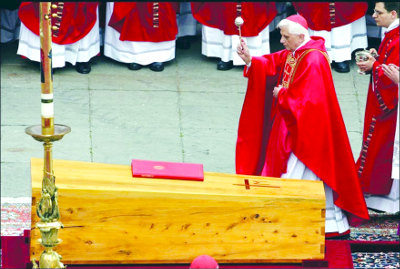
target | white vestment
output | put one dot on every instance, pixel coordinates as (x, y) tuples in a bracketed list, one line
[(140, 52), (216, 44), (335, 219), (343, 40)]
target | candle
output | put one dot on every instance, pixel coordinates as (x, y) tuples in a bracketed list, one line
[(47, 105)]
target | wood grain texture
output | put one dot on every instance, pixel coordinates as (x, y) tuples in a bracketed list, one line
[(110, 217)]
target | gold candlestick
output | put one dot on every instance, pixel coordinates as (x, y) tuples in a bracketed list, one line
[(47, 208)]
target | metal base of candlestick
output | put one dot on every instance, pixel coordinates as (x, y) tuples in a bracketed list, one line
[(47, 208), (49, 258), (59, 131)]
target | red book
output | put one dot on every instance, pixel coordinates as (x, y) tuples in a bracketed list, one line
[(168, 170)]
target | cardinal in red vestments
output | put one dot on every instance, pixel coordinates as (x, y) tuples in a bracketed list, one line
[(141, 33), (291, 124), (219, 31), (74, 21), (341, 24), (374, 164)]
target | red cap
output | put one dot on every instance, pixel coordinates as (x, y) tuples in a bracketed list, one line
[(298, 19), (204, 262)]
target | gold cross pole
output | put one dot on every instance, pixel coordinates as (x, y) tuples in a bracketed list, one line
[(47, 207)]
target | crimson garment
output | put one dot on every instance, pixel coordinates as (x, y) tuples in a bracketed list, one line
[(327, 15), (145, 21), (77, 19), (305, 119), (222, 15), (375, 162)]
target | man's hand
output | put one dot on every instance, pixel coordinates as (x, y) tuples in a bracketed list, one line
[(366, 66), (276, 91), (391, 71), (243, 52), (373, 51)]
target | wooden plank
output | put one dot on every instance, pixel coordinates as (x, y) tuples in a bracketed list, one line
[(110, 217)]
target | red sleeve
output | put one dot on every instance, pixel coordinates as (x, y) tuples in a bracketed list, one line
[(254, 122), (387, 88)]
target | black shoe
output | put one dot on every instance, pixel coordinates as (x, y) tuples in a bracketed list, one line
[(224, 65), (183, 43), (134, 66), (83, 68), (157, 67), (342, 67)]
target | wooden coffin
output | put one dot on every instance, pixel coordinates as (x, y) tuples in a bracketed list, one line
[(112, 218)]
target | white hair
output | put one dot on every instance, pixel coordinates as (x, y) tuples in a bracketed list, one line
[(294, 28)]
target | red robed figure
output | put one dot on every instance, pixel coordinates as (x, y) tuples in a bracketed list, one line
[(375, 162), (306, 120), (222, 15), (77, 19), (137, 21)]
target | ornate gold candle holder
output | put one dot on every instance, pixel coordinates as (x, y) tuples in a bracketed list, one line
[(47, 208)]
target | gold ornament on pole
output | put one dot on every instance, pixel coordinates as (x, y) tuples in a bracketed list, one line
[(239, 22), (47, 132)]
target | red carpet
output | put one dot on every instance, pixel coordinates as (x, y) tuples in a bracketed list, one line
[(15, 254)]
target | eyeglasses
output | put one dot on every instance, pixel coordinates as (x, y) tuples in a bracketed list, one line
[(378, 12)]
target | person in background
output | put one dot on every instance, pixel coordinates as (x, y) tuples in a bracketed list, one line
[(187, 26), (374, 165), (341, 24), (141, 33), (9, 21), (220, 34), (75, 41), (291, 125)]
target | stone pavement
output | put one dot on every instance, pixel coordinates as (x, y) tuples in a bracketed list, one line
[(187, 113)]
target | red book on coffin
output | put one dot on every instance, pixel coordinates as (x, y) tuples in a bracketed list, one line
[(168, 170)]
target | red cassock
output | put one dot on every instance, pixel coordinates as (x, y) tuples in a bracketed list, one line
[(145, 21), (375, 162), (305, 119), (327, 15), (222, 15), (77, 19)]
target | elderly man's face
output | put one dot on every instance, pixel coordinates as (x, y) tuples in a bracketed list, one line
[(290, 41)]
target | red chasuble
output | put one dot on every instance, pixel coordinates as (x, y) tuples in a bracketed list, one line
[(77, 19), (375, 162), (145, 21), (327, 15), (222, 15), (305, 119)]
